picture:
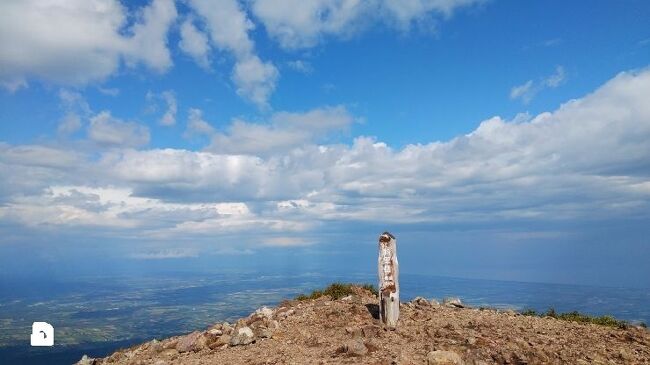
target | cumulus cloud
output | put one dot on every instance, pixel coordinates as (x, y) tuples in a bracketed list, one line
[(69, 124), (301, 66), (76, 109), (586, 160), (149, 41), (107, 130), (284, 131), (168, 99), (527, 91), (196, 125), (169, 118), (75, 42), (301, 24), (228, 26), (255, 80), (110, 91), (195, 43), (524, 91)]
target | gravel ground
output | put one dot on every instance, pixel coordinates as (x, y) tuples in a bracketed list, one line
[(345, 331)]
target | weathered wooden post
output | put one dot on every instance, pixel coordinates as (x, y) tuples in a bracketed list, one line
[(388, 280)]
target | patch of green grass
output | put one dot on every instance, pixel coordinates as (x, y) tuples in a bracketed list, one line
[(576, 316), (337, 291), (529, 312)]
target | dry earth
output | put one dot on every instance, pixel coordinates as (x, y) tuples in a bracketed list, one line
[(345, 331)]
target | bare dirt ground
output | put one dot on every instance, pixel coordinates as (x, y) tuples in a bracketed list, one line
[(346, 331)]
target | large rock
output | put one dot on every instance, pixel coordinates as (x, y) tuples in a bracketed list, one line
[(453, 302), (220, 342), (85, 360), (264, 312), (242, 336), (420, 302), (444, 358), (193, 342)]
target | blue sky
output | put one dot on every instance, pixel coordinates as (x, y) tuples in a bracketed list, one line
[(498, 139)]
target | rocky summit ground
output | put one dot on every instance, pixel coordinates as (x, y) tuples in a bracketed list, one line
[(347, 331)]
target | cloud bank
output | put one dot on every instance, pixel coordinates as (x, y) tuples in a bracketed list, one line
[(279, 182)]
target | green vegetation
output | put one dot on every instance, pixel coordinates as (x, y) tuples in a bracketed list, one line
[(337, 291), (575, 316)]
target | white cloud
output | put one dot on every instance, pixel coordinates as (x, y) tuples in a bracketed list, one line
[(283, 132), (587, 160), (286, 242), (149, 41), (196, 126), (109, 131), (69, 124), (195, 43), (79, 41), (169, 118), (303, 23), (113, 91), (524, 91), (76, 108), (299, 23), (228, 26), (527, 91), (557, 78), (255, 80), (301, 66)]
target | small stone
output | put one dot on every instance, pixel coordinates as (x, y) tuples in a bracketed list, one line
[(434, 303), (355, 347), (471, 341), (444, 358)]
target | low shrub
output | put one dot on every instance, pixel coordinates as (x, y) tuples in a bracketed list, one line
[(337, 291)]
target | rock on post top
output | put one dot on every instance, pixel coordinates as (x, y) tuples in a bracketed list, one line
[(388, 271)]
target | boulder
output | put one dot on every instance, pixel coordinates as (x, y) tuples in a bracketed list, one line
[(215, 332), (85, 360), (371, 330), (420, 302), (242, 336), (220, 342), (352, 298), (444, 358), (264, 312), (193, 342), (453, 302), (263, 332)]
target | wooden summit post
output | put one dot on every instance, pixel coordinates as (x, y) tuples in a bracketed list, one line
[(388, 280)]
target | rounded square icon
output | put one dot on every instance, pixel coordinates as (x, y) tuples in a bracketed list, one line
[(42, 334)]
